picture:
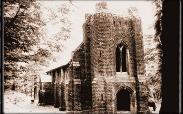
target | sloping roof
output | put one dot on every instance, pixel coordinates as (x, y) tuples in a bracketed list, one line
[(79, 47), (63, 66), (67, 64)]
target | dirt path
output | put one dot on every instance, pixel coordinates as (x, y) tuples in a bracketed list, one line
[(15, 102)]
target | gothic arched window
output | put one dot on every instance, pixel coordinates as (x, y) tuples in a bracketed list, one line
[(121, 65)]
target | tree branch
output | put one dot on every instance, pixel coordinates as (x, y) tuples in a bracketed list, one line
[(16, 15)]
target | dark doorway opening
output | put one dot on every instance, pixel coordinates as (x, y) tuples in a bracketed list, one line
[(123, 100)]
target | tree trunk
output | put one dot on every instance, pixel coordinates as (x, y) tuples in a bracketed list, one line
[(134, 62), (170, 58)]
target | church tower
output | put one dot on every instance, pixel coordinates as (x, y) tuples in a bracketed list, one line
[(116, 57)]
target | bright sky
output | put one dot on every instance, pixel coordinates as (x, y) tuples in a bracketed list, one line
[(77, 17)]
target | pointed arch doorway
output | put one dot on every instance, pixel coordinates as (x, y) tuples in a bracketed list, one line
[(123, 100)]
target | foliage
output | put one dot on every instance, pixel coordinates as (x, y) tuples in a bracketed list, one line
[(153, 62), (169, 35), (134, 61), (21, 33), (26, 48), (59, 18), (155, 81), (101, 6), (158, 22)]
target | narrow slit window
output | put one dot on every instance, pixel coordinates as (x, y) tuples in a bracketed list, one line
[(100, 53), (124, 59), (102, 98), (121, 65)]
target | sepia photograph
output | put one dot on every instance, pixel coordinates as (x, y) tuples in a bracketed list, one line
[(90, 57)]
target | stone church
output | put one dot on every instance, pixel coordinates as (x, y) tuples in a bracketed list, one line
[(101, 75)]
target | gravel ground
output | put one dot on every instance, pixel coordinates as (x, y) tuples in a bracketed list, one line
[(15, 102)]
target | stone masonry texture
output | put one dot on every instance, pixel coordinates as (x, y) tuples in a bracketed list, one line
[(89, 82)]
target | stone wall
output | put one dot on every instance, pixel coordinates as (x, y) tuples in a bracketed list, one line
[(105, 32), (90, 81), (45, 93)]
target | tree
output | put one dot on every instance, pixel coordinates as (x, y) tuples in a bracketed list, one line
[(152, 55), (21, 36), (25, 46), (21, 32), (167, 29), (134, 61)]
